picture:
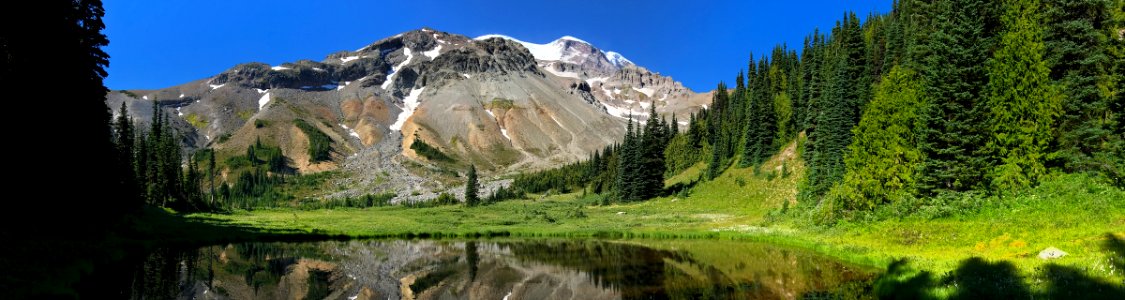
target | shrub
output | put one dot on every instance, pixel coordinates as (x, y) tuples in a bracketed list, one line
[(427, 151), (320, 145)]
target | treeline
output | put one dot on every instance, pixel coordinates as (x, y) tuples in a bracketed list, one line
[(957, 96), (935, 97), (630, 171), (153, 164)]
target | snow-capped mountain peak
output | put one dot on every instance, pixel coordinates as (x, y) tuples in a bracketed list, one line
[(567, 49), (617, 59)]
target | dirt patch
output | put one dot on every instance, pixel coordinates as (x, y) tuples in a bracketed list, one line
[(298, 152), (377, 109)]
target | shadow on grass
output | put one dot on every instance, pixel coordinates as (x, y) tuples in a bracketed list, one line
[(976, 278), (79, 262)]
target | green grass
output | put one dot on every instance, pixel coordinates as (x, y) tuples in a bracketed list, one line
[(196, 121), (1076, 213), (501, 103)]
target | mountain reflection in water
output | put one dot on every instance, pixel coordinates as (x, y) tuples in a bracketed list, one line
[(495, 269)]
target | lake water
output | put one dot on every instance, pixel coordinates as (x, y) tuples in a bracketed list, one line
[(494, 269)]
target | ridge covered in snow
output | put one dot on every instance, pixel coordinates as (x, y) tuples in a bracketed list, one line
[(557, 50)]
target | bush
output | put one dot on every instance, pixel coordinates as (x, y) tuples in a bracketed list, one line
[(427, 151), (383, 199), (504, 193), (446, 199)]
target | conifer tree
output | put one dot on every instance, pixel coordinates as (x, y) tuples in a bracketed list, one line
[(211, 174), (839, 108), (762, 123), (651, 170), (881, 160), (1022, 103), (126, 140), (627, 165), (716, 165), (1078, 43), (954, 131), (472, 187)]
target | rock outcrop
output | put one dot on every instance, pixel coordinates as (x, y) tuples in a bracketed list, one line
[(494, 101)]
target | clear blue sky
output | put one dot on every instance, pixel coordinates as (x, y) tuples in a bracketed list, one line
[(156, 44)]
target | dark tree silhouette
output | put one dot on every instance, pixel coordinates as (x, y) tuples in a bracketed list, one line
[(53, 48)]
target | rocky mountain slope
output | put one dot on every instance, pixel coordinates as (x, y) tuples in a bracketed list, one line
[(502, 104)]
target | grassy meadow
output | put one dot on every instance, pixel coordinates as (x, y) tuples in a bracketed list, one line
[(934, 238)]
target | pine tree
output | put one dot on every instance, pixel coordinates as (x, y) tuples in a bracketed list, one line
[(472, 187), (881, 160), (652, 144), (250, 155), (839, 108), (62, 41), (716, 165), (126, 140), (762, 123), (1077, 36), (812, 64), (954, 131), (1022, 103), (623, 178), (211, 174)]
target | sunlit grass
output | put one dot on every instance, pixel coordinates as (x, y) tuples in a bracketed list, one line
[(1071, 212)]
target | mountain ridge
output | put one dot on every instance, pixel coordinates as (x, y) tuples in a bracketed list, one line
[(488, 101)]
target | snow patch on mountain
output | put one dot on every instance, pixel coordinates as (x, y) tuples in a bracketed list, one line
[(646, 90), (349, 58), (557, 50), (624, 111), (394, 69), (505, 133), (617, 59), (594, 80), (350, 131), (262, 101), (551, 51), (433, 53), (410, 102), (563, 74)]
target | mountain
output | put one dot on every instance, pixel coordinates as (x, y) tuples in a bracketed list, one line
[(499, 103)]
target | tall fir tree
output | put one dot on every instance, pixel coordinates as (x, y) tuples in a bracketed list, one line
[(126, 153), (842, 100), (717, 164), (472, 187), (881, 160), (651, 170), (1021, 102), (63, 40), (953, 135), (1078, 35), (627, 165), (211, 174), (762, 123)]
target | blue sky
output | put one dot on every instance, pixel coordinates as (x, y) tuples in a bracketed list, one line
[(156, 44)]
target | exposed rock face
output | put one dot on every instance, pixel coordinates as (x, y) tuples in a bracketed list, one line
[(1051, 253), (496, 102)]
